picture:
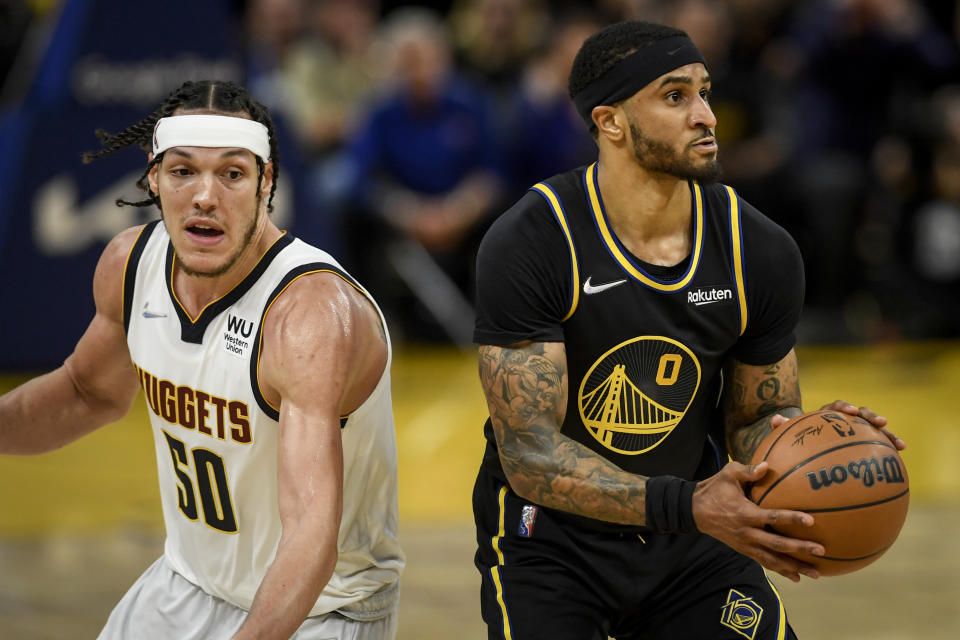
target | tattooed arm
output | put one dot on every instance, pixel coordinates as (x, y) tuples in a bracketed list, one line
[(757, 395), (526, 389), (753, 397)]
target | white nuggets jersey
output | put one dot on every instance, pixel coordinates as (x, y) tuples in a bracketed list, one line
[(216, 436)]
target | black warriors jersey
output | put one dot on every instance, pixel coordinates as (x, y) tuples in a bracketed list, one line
[(645, 344)]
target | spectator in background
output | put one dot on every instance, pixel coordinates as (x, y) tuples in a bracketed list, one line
[(934, 232), (424, 171), (545, 136), (936, 249), (862, 68), (332, 70), (272, 28), (494, 39)]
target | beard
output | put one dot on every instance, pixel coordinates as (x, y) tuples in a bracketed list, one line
[(232, 258), (657, 156)]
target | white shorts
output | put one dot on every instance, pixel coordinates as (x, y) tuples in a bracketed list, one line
[(162, 604)]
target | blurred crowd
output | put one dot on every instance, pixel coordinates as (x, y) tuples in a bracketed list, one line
[(421, 122)]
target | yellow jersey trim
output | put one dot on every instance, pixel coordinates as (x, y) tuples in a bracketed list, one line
[(736, 243), (495, 571), (557, 208), (613, 245), (173, 291), (123, 280), (781, 614)]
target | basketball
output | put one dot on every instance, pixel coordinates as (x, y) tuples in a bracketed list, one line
[(846, 474)]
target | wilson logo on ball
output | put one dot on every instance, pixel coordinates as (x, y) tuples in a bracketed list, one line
[(868, 471)]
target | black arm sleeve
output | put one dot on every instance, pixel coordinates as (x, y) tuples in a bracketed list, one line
[(775, 285), (523, 276)]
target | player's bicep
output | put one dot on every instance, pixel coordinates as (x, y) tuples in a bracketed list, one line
[(755, 392), (526, 390)]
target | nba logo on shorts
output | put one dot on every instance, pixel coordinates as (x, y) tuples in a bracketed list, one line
[(527, 517)]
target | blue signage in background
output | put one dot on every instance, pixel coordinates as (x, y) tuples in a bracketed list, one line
[(108, 65)]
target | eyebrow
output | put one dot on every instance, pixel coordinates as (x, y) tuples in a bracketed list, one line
[(682, 79)]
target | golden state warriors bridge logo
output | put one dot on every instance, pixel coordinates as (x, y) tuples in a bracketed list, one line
[(637, 392)]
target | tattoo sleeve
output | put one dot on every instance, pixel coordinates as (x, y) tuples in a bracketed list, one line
[(753, 396), (526, 390)]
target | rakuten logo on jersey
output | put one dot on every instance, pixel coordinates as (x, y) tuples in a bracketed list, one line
[(708, 296)]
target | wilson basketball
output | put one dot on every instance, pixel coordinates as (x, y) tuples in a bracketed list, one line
[(846, 474)]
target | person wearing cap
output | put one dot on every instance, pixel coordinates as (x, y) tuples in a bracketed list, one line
[(636, 324), (266, 372)]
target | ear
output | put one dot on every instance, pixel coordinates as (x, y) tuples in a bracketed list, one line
[(267, 184), (152, 175), (610, 121)]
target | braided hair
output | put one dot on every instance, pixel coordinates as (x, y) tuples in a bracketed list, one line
[(217, 95)]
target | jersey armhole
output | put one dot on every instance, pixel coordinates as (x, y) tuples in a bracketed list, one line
[(561, 217), (130, 271), (736, 255), (292, 275)]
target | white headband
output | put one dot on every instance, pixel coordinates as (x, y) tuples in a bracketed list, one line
[(211, 131)]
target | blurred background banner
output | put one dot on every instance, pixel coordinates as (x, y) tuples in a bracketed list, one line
[(104, 65), (406, 128)]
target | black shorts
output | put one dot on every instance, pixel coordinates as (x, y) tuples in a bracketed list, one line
[(547, 577)]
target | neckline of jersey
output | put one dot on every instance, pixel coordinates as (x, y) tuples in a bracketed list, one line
[(622, 256), (192, 329)]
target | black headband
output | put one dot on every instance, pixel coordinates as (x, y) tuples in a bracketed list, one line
[(636, 71)]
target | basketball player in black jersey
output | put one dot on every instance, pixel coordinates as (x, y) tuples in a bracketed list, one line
[(636, 327)]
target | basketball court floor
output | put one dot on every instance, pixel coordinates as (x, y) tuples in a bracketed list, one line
[(77, 526)]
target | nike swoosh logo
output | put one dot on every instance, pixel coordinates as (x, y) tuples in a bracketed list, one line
[(670, 53), (590, 289), (152, 314)]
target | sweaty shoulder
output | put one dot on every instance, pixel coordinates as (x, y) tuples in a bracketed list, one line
[(775, 285), (326, 331), (523, 276)]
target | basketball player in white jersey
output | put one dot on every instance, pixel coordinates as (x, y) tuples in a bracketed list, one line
[(266, 371)]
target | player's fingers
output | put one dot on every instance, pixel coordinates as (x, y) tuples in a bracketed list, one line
[(842, 405), (894, 438), (777, 420), (751, 472), (785, 565), (773, 517), (872, 417), (787, 545)]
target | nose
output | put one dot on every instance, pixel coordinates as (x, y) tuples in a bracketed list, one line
[(702, 114), (205, 195)]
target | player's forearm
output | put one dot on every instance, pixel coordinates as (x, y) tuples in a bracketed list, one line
[(754, 395), (303, 565), (558, 472), (743, 441), (526, 389), (49, 412)]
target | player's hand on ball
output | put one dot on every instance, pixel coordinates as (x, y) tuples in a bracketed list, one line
[(722, 510), (870, 416)]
